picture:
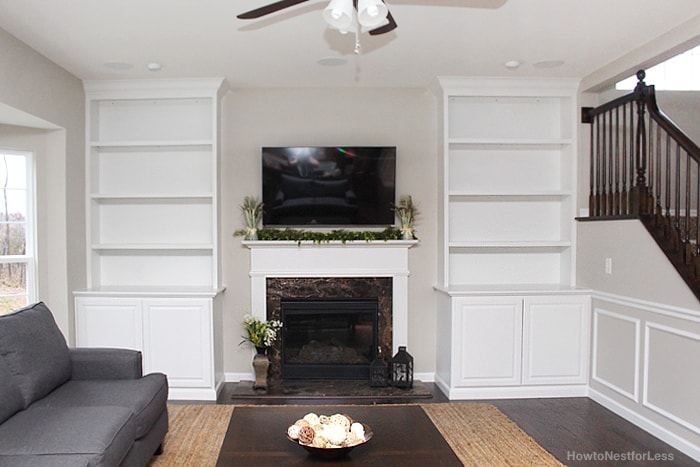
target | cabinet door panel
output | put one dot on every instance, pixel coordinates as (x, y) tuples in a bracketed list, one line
[(178, 340), (108, 322), (555, 340), (488, 340)]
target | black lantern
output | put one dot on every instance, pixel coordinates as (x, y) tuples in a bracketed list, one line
[(402, 369), (378, 371)]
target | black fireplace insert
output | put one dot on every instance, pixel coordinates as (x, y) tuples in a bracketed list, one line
[(328, 338)]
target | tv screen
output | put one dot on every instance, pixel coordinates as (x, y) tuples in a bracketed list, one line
[(328, 186)]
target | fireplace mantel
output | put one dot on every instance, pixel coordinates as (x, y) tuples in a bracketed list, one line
[(334, 259)]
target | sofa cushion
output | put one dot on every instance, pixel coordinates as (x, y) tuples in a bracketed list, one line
[(99, 363), (96, 436), (34, 350), (146, 397), (11, 400)]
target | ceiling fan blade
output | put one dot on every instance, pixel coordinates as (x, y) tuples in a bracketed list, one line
[(271, 8), (386, 28)]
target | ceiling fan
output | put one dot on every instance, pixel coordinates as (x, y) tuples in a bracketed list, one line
[(373, 15)]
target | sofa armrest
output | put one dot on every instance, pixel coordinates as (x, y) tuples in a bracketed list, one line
[(98, 363)]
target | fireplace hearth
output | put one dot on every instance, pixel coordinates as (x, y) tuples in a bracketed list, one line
[(328, 338)]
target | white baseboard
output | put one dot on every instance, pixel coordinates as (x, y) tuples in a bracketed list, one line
[(191, 394), (442, 385), (238, 377), (515, 392), (644, 423), (425, 377)]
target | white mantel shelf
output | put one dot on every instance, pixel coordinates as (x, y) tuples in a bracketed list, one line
[(377, 258), (252, 244)]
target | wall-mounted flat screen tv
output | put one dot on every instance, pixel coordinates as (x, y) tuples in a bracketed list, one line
[(328, 186)]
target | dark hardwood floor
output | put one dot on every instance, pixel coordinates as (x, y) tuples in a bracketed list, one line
[(573, 429), (577, 431)]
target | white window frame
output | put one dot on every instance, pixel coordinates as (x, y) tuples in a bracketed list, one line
[(679, 73), (29, 258)]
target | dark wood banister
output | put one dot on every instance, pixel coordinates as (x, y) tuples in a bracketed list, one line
[(644, 166), (667, 124)]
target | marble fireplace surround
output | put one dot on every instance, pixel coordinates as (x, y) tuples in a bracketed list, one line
[(307, 266)]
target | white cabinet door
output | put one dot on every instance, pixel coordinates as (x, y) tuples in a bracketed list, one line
[(178, 340), (487, 340), (113, 322), (555, 339)]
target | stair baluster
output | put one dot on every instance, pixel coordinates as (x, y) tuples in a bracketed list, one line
[(643, 166)]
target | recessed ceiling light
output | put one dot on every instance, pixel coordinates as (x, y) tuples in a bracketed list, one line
[(512, 64), (154, 66), (332, 61), (118, 65), (548, 64)]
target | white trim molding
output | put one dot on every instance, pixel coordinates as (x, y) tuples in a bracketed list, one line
[(663, 418), (677, 418), (634, 395)]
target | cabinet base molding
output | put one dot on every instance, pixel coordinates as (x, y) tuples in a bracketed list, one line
[(515, 392), (195, 394)]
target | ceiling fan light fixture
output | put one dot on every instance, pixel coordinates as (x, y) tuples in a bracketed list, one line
[(352, 27), (371, 13), (339, 14), (371, 28)]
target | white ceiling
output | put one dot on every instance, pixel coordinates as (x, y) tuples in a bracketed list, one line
[(203, 38)]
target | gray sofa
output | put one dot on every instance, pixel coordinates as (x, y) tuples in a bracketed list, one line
[(74, 407)]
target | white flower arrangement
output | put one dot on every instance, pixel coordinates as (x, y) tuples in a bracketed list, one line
[(261, 334)]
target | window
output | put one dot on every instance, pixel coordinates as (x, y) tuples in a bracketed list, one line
[(17, 261), (679, 73)]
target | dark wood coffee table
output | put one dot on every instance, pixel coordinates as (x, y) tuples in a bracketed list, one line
[(403, 436)]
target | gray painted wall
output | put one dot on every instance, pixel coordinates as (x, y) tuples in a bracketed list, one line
[(405, 118), (31, 84)]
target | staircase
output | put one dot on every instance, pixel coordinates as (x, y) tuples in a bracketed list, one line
[(644, 167)]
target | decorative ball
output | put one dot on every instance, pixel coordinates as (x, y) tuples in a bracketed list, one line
[(358, 430), (312, 418), (293, 431), (351, 439), (335, 434), (319, 442), (340, 420), (306, 435)]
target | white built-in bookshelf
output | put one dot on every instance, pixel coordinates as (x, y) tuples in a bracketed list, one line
[(152, 221), (152, 184), (510, 321), (508, 170)]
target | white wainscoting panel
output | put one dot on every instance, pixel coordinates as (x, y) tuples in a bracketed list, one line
[(671, 375), (616, 352), (645, 367)]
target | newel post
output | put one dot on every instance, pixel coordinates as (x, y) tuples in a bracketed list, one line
[(639, 192)]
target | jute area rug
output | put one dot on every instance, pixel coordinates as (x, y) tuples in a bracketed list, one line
[(478, 433)]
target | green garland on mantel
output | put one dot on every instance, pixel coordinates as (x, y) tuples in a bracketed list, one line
[(342, 235)]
